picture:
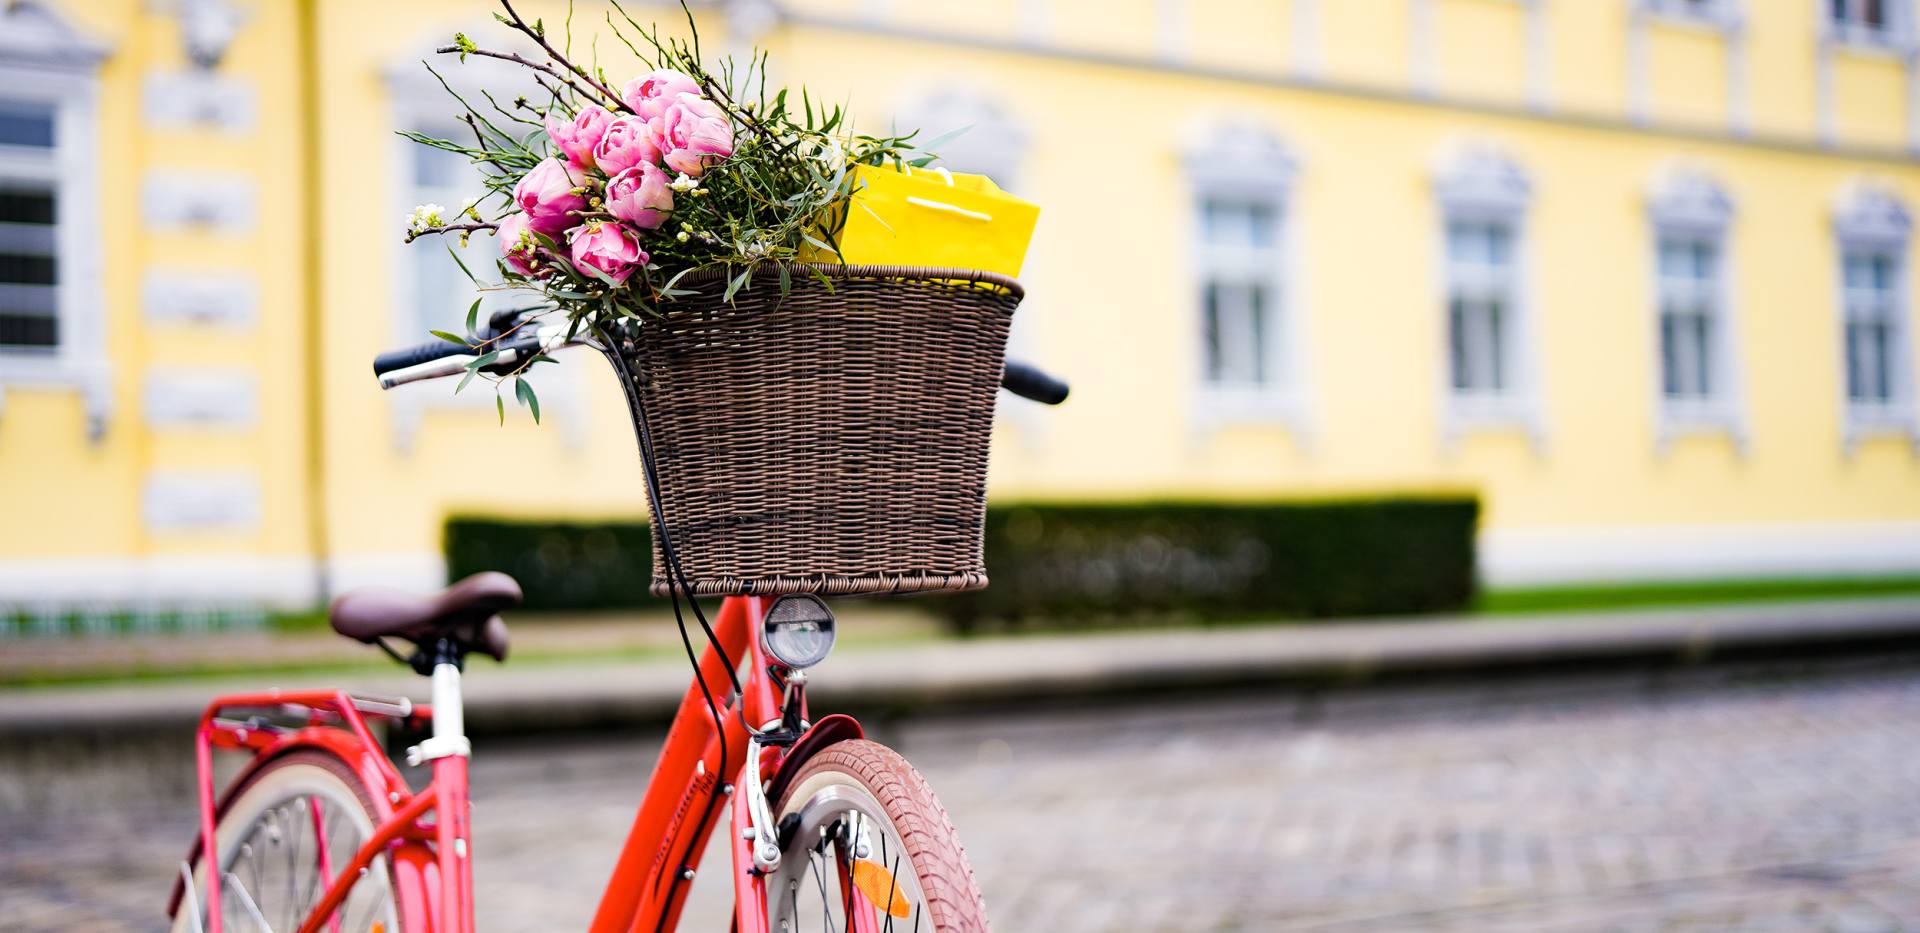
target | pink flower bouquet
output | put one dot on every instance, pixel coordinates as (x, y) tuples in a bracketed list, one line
[(620, 190)]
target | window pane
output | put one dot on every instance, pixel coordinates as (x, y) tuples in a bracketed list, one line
[(433, 168), (1673, 258), (1882, 272), (1669, 356), (1703, 256), (1499, 244), (1874, 13), (1496, 340), (28, 331), (1466, 243), (1257, 334), (1457, 343), (1212, 322), (18, 269), (29, 316), (21, 206), (21, 125)]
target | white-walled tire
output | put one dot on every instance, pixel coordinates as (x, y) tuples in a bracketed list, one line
[(269, 858)]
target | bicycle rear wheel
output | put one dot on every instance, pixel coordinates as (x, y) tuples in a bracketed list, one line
[(862, 833), (295, 815)]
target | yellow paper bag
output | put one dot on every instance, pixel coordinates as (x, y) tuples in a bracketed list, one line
[(932, 217)]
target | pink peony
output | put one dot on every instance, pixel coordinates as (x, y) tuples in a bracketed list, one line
[(650, 95), (627, 143), (607, 247), (692, 134), (518, 248), (577, 137), (546, 195), (640, 196)]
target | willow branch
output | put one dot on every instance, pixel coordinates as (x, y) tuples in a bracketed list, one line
[(555, 55), (519, 59), (413, 235)]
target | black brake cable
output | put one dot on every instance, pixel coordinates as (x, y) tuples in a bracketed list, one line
[(676, 583)]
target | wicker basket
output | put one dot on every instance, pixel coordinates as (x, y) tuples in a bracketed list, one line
[(834, 441)]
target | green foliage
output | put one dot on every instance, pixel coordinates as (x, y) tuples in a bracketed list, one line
[(1604, 597), (1062, 563), (560, 564), (1056, 564)]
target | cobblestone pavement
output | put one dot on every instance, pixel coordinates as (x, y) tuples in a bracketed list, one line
[(1716, 802)]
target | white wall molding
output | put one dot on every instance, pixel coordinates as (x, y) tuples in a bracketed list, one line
[(1175, 26), (1539, 56), (229, 300), (240, 580), (196, 501), (31, 34), (195, 99), (1306, 40), (1536, 557), (199, 399), (176, 199), (416, 572), (1424, 19)]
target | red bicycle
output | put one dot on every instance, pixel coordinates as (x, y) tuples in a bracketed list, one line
[(319, 830)]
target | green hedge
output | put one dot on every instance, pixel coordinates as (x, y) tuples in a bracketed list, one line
[(1086, 563), (560, 564), (1065, 563)]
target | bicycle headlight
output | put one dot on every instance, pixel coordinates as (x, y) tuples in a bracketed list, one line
[(797, 630)]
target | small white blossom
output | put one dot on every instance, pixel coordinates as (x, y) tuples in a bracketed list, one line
[(425, 216), (683, 183)]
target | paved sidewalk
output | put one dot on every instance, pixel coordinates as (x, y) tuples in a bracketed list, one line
[(928, 676)]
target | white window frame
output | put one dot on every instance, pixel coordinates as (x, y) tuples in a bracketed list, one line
[(1240, 160), (417, 100), (1869, 217), (1479, 183), (1722, 15), (1687, 203), (1896, 37), (45, 61)]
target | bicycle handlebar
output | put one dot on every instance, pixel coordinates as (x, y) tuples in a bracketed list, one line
[(498, 323), (1029, 382), (1022, 379)]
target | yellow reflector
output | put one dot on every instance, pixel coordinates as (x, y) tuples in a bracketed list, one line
[(876, 883)]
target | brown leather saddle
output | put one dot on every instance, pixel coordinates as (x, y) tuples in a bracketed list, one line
[(466, 614)]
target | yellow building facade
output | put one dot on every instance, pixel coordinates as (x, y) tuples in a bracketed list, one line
[(1637, 271)]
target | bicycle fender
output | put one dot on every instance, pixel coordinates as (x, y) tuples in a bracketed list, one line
[(837, 727), (336, 742)]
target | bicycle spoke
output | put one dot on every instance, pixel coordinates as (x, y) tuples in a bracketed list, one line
[(246, 900)]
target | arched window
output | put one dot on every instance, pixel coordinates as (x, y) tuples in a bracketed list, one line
[(1693, 314), (1250, 361), (1483, 196), (1872, 229)]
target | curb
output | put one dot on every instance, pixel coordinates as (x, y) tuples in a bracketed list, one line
[(954, 676)]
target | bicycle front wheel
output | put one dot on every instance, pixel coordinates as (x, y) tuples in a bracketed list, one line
[(295, 822), (862, 833)]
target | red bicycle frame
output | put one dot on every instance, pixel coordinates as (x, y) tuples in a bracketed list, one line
[(432, 858)]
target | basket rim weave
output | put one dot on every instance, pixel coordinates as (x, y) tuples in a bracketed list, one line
[(867, 271)]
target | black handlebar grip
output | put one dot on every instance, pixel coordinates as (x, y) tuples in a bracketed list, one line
[(413, 356), (1029, 382)]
